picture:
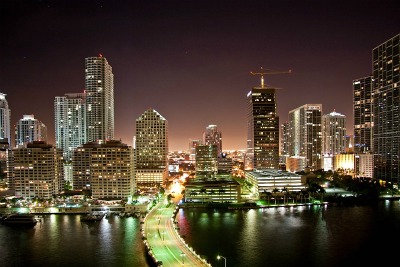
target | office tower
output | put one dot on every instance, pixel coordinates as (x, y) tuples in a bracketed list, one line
[(5, 118), (151, 153), (262, 128), (104, 168), (37, 170), (213, 137), (305, 134), (386, 108), (29, 129), (99, 85), (333, 133), (206, 161), (363, 114)]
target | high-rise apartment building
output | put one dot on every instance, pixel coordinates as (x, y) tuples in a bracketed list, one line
[(37, 170), (386, 109), (99, 86), (213, 137), (70, 127), (151, 153), (363, 114), (104, 168), (305, 134), (262, 128), (284, 142), (333, 133), (5, 118), (70, 122), (29, 129)]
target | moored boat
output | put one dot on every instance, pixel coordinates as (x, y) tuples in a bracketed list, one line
[(20, 219), (92, 217)]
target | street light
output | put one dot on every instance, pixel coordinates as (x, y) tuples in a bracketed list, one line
[(183, 258), (163, 233), (219, 257)]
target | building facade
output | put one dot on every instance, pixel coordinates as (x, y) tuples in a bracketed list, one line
[(363, 114), (104, 168), (29, 129), (70, 123), (99, 88), (333, 133), (386, 109), (262, 129), (151, 150), (37, 170), (305, 134), (206, 161), (5, 118), (212, 136)]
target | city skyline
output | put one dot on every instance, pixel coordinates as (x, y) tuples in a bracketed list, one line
[(191, 61)]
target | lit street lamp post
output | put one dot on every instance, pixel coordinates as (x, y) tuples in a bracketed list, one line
[(183, 258), (163, 233), (219, 257)]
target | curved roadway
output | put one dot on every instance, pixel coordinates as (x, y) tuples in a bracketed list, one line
[(163, 241)]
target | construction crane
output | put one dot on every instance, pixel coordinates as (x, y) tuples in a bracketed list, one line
[(268, 71)]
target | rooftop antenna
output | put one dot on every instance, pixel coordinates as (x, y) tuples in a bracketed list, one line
[(263, 72)]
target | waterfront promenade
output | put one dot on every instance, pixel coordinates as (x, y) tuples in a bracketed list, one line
[(162, 240)]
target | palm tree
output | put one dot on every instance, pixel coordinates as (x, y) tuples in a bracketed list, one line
[(203, 191), (284, 191), (221, 190), (268, 197), (274, 192)]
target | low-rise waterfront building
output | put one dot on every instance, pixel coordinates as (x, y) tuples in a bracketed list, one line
[(268, 180)]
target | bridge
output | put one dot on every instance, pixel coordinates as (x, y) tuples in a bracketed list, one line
[(163, 242)]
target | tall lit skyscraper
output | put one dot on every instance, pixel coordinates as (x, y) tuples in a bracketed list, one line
[(262, 128), (29, 129), (305, 134), (213, 137), (70, 122), (333, 133), (386, 108), (5, 118), (99, 85), (151, 162), (363, 114), (70, 127)]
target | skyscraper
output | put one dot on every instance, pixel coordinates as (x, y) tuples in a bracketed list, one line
[(29, 129), (99, 85), (70, 122), (213, 137), (70, 128), (363, 114), (5, 118), (305, 134), (386, 108), (151, 150), (333, 133), (262, 128)]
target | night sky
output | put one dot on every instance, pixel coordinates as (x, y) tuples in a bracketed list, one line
[(190, 60)]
